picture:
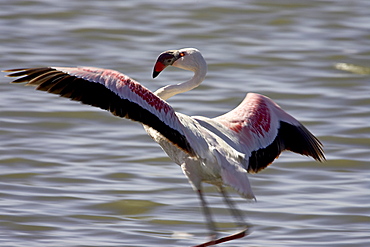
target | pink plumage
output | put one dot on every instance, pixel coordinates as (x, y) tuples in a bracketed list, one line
[(220, 151)]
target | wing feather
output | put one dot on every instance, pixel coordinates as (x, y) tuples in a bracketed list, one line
[(109, 90), (264, 130)]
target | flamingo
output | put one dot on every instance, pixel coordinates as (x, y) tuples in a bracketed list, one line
[(220, 151)]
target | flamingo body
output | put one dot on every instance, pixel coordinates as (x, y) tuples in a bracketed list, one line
[(220, 150)]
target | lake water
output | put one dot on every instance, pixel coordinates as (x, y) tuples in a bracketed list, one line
[(74, 175)]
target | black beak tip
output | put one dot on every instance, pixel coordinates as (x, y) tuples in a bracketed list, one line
[(155, 73)]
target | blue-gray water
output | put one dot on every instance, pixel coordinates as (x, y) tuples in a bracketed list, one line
[(73, 175)]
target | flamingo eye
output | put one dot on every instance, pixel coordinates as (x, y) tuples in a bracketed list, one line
[(182, 54)]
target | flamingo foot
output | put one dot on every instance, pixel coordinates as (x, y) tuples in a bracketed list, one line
[(224, 239)]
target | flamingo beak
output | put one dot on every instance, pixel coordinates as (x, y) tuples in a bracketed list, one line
[(158, 68), (165, 59)]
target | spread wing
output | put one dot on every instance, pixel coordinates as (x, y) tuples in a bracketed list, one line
[(111, 91), (264, 130)]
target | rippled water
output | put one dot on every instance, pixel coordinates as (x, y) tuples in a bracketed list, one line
[(73, 175)]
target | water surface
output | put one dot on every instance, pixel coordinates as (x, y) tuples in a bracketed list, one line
[(73, 175)]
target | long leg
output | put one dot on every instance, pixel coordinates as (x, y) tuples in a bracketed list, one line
[(195, 181), (237, 214), (208, 215), (190, 170)]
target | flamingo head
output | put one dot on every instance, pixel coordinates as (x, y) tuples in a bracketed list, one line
[(186, 58)]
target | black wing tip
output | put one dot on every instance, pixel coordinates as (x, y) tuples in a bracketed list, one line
[(12, 70), (25, 72), (295, 138), (314, 147), (319, 151), (23, 69), (318, 154)]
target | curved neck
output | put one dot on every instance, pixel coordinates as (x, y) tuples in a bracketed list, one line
[(168, 91)]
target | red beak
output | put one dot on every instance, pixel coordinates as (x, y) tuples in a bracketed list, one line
[(158, 68)]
